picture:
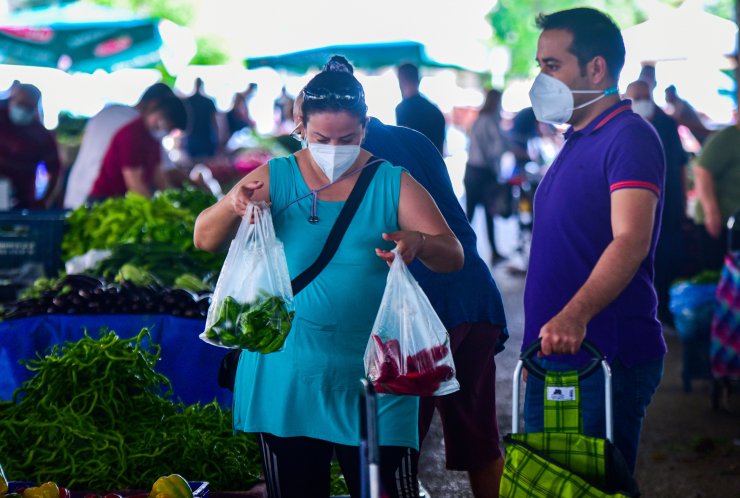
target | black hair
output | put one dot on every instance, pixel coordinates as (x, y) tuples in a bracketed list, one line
[(338, 63), (334, 89), (492, 103), (408, 72), (594, 34), (157, 91), (173, 110)]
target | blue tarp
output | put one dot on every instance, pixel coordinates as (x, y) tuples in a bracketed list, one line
[(190, 363)]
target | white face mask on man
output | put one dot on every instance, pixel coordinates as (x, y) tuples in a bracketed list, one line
[(334, 160), (552, 100)]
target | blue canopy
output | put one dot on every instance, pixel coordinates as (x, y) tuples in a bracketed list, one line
[(79, 37)]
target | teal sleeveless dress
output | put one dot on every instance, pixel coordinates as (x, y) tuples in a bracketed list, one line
[(312, 387)]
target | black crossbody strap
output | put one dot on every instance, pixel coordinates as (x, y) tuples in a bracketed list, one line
[(339, 228)]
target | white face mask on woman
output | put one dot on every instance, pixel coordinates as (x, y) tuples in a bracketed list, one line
[(552, 100), (334, 160)]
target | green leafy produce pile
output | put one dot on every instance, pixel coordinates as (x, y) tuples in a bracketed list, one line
[(261, 326), (164, 261), (97, 416), (168, 217)]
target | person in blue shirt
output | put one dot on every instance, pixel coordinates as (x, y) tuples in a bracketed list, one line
[(468, 303)]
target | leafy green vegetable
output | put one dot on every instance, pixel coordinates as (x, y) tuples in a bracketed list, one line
[(135, 275), (191, 282), (261, 326)]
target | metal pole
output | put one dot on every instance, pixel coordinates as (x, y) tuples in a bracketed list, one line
[(515, 397)]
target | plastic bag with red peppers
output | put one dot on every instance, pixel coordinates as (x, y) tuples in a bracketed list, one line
[(419, 375), (408, 350)]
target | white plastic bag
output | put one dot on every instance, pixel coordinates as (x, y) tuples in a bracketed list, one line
[(252, 305), (409, 348)]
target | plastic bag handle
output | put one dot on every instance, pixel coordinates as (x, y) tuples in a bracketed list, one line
[(533, 368)]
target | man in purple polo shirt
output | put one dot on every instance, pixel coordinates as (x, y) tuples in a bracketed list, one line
[(596, 221)]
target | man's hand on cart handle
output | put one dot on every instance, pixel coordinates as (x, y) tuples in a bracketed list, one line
[(563, 334)]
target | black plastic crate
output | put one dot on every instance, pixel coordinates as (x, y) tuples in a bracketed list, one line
[(32, 236)]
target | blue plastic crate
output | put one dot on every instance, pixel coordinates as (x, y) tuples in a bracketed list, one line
[(32, 236)]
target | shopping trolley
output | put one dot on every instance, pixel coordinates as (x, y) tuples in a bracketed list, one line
[(562, 462)]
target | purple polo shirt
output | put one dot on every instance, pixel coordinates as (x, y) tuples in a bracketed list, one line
[(572, 228)]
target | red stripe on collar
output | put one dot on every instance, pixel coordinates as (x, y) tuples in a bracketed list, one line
[(626, 106)]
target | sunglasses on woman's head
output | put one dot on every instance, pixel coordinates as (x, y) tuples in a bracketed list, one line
[(346, 95)]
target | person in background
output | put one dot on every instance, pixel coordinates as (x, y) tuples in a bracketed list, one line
[(415, 111), (596, 225), (96, 139), (133, 160), (202, 135), (236, 117), (24, 145), (474, 318), (283, 107), (7, 93), (483, 169), (717, 183), (685, 115), (670, 254), (319, 368)]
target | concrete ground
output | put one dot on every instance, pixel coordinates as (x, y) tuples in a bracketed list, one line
[(687, 449)]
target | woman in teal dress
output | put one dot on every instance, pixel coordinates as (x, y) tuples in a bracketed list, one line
[(303, 401)]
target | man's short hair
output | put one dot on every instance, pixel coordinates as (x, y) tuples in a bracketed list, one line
[(173, 110), (408, 72), (594, 34), (156, 92), (30, 90)]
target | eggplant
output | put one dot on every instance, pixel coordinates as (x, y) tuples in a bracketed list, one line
[(82, 281)]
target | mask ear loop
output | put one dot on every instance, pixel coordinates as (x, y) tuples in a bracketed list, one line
[(607, 92)]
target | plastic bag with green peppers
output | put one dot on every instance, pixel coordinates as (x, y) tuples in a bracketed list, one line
[(252, 304), (262, 326)]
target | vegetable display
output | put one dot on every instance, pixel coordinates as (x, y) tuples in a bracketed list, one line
[(418, 375), (82, 294), (97, 416), (262, 326), (163, 262), (167, 217)]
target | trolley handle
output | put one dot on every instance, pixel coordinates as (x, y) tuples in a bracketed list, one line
[(598, 360), (535, 369)]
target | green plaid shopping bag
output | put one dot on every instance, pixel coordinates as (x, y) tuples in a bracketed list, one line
[(562, 462)]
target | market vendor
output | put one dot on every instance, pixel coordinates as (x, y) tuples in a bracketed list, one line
[(24, 145), (133, 161)]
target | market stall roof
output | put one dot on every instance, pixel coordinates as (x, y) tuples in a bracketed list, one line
[(365, 55), (79, 37)]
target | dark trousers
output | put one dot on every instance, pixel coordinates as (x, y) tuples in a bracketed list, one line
[(482, 187)]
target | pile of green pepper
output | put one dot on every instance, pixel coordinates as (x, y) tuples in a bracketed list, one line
[(97, 416), (261, 326), (168, 217)]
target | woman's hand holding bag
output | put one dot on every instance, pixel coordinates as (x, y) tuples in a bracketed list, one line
[(252, 305)]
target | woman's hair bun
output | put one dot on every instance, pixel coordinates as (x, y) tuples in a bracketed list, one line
[(339, 64)]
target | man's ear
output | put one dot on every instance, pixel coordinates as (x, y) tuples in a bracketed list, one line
[(598, 70)]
